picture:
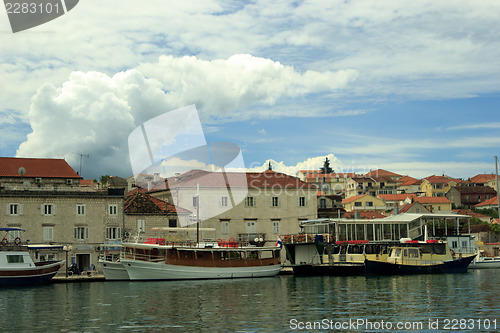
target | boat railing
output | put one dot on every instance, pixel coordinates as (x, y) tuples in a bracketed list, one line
[(307, 238)]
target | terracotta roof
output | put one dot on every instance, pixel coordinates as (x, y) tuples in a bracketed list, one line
[(36, 168), (143, 203), (470, 213), (407, 207), (351, 199), (476, 190), (431, 200), (482, 178), (490, 202), (365, 215), (408, 181), (266, 179), (362, 179), (442, 180), (381, 172), (396, 197)]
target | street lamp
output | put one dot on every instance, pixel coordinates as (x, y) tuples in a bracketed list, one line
[(67, 249)]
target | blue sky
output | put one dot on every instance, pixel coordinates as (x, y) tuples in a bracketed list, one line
[(408, 86)]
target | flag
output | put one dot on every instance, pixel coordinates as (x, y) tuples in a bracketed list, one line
[(279, 243)]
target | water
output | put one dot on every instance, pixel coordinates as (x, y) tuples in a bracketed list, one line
[(281, 304)]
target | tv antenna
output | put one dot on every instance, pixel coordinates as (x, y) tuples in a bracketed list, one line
[(81, 160)]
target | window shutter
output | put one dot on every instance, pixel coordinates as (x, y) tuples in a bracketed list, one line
[(54, 209), (7, 209), (86, 232), (20, 208), (41, 209), (75, 231)]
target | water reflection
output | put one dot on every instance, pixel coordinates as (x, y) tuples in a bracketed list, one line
[(247, 305)]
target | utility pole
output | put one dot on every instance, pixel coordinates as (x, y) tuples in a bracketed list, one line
[(496, 180)]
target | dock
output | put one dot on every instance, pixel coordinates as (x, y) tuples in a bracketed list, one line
[(94, 277)]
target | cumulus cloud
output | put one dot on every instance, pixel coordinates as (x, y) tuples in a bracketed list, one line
[(313, 163), (93, 113)]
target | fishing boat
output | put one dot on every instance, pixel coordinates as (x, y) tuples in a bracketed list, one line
[(17, 267), (161, 259), (415, 257)]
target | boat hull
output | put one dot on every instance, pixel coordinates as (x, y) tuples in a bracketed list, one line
[(353, 269), (144, 270), (41, 273), (374, 267), (113, 270), (485, 263)]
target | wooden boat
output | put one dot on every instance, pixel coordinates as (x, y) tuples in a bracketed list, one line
[(159, 260), (17, 267), (430, 257)]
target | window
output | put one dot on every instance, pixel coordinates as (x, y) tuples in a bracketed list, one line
[(195, 201), (454, 244), (48, 234), (276, 227), (250, 201), (113, 210), (369, 204), (141, 225), (81, 233), (15, 259), (48, 209), (224, 201), (439, 207), (14, 209), (113, 232), (224, 226), (322, 203), (172, 223), (464, 243), (357, 204), (275, 202), (80, 210), (302, 201)]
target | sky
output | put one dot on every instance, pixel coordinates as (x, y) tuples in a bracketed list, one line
[(408, 86)]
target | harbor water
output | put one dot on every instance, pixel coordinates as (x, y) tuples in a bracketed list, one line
[(432, 303)]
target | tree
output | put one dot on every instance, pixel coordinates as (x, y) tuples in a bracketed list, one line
[(326, 167)]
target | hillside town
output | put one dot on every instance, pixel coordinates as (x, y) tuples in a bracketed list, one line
[(55, 205)]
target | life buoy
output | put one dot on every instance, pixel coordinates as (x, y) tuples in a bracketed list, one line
[(231, 239), (218, 240), (5, 241), (17, 241), (452, 252)]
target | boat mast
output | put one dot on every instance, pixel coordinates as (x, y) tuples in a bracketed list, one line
[(197, 213)]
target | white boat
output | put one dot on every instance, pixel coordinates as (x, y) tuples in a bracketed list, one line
[(113, 270), (17, 268), (481, 262), (218, 260)]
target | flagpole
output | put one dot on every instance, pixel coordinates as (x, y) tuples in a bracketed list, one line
[(496, 180), (197, 213)]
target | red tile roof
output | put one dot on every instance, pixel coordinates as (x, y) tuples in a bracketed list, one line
[(432, 200), (470, 213), (482, 178), (381, 172), (36, 168), (407, 207), (267, 179), (408, 181), (396, 197), (143, 203), (490, 202), (351, 199), (442, 180)]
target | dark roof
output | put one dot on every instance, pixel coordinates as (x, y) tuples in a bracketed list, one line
[(143, 203), (36, 168), (475, 190)]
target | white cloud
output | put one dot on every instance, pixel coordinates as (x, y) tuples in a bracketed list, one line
[(93, 113), (313, 163), (475, 126)]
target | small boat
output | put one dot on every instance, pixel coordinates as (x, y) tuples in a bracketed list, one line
[(430, 257), (17, 267), (481, 261), (112, 268)]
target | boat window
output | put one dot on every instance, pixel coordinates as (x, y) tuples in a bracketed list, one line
[(413, 253), (14, 259), (426, 248), (355, 249), (405, 253), (396, 253), (439, 248), (371, 249), (343, 250)]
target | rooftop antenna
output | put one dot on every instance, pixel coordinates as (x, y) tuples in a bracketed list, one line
[(81, 158), (21, 171)]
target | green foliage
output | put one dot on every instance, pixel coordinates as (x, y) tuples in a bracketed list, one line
[(491, 212)]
